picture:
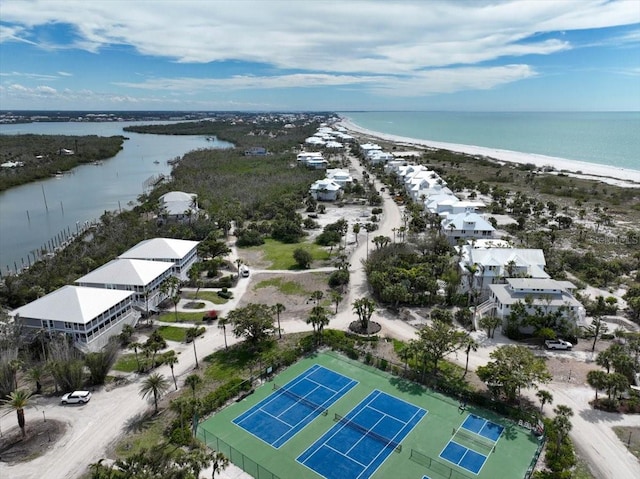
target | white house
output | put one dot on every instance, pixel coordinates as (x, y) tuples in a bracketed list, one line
[(376, 157), (325, 190), (482, 267), (339, 176), (466, 226), (143, 278), (548, 294), (87, 315), (182, 254), (178, 205)]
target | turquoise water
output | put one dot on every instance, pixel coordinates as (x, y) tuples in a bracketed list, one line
[(606, 138)]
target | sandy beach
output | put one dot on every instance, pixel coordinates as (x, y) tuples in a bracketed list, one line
[(622, 177)]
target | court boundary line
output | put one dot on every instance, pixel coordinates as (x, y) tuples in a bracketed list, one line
[(297, 380), (370, 398)]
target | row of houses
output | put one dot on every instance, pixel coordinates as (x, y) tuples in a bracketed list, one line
[(101, 302), (499, 274)]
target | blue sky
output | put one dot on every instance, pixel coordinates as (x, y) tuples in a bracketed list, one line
[(549, 55)]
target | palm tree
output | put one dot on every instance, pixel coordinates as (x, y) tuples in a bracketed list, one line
[(364, 308), (545, 397), (562, 424), (193, 381), (223, 324), (239, 263), (154, 385), (36, 374), (219, 462), (135, 346), (279, 308), (318, 318), (171, 359), (191, 335), (18, 400), (470, 344), (336, 298)]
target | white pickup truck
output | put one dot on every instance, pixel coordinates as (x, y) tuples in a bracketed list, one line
[(558, 344)]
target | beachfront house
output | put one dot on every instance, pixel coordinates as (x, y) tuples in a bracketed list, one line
[(143, 278), (546, 295), (482, 267), (178, 206), (88, 316), (325, 190), (312, 159), (339, 176), (464, 226), (182, 254)]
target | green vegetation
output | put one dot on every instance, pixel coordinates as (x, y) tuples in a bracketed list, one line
[(172, 333), (211, 296), (280, 255), (126, 363), (630, 437), (285, 287), (42, 156), (183, 317)]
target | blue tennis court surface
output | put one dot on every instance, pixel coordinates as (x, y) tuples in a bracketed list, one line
[(482, 433), (356, 446), (286, 411), (483, 427), (463, 457)]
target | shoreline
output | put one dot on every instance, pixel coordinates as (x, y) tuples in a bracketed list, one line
[(622, 177)]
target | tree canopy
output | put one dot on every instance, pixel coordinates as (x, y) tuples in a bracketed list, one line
[(513, 368)]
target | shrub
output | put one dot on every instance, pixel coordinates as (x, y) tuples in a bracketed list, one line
[(224, 293), (339, 278), (249, 238)]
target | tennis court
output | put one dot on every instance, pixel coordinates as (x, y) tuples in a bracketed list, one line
[(356, 446), (472, 443), (285, 412), (376, 427)]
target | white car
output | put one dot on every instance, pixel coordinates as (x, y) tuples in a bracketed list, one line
[(558, 344), (76, 397)]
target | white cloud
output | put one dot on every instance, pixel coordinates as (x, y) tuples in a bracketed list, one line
[(328, 36)]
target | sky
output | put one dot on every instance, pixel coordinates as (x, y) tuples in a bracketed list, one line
[(320, 55)]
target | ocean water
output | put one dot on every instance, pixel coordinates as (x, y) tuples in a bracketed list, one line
[(606, 138)]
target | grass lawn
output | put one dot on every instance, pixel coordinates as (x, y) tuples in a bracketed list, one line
[(281, 255), (126, 363), (172, 333), (170, 317), (206, 296)]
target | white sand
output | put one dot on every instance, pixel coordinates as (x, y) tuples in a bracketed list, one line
[(607, 174)]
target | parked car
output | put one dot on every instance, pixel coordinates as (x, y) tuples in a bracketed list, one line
[(76, 397), (244, 271), (558, 344)]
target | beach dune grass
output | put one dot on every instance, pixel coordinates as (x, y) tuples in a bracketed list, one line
[(283, 286), (280, 255)]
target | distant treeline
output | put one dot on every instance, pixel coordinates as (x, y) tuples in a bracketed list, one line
[(42, 156), (243, 135)]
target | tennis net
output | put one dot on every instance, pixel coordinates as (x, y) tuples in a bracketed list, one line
[(301, 399), (485, 445), (368, 432)]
